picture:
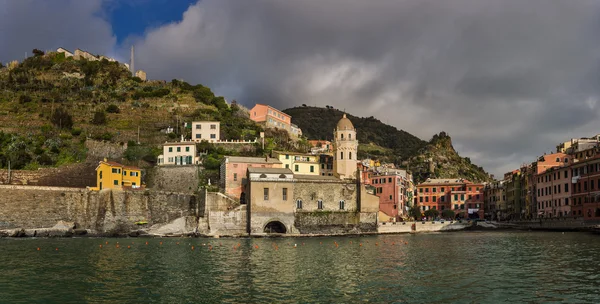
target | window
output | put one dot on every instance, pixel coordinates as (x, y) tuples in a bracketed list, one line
[(349, 155), (298, 204), (470, 188), (134, 174), (566, 171), (213, 136), (391, 197), (287, 166), (455, 206), (420, 199), (323, 166), (434, 190), (198, 135), (342, 135), (287, 156), (442, 199), (100, 174), (213, 127), (266, 194), (170, 149), (434, 199), (187, 149), (442, 189), (566, 201), (390, 180), (462, 206), (342, 204), (469, 197), (426, 190), (312, 168), (116, 182), (198, 127), (320, 204), (124, 173), (349, 135), (235, 177), (296, 168), (462, 197), (420, 190), (284, 194), (427, 199), (455, 197), (477, 197), (341, 155), (114, 170)]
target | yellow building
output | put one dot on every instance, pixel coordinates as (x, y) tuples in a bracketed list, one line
[(299, 163), (114, 175)]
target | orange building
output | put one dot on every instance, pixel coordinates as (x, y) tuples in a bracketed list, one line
[(271, 117), (461, 196), (585, 192)]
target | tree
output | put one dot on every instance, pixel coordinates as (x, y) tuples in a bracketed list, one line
[(432, 213), (448, 214), (62, 119), (112, 108), (99, 118), (414, 212), (37, 52)]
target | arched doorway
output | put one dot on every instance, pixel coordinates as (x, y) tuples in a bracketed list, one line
[(275, 227)]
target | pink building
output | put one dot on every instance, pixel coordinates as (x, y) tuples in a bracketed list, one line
[(271, 117), (233, 172), (552, 185), (390, 190)]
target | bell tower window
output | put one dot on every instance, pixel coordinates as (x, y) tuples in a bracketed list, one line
[(349, 135), (341, 155), (342, 135)]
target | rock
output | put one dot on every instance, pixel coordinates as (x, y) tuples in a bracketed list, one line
[(18, 233), (64, 225), (80, 231)]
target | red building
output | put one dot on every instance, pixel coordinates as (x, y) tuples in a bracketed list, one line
[(585, 192), (461, 196), (389, 189)]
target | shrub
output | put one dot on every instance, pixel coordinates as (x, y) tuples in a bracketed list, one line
[(76, 131), (112, 108), (62, 119), (24, 98), (99, 118)]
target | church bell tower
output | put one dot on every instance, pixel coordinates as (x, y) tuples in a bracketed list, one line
[(345, 148)]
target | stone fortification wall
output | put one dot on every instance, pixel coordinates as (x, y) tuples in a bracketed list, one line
[(324, 222), (223, 216), (550, 224), (105, 212), (184, 179), (97, 150), (75, 175), (405, 227)]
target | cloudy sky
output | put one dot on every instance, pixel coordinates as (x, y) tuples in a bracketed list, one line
[(507, 79)]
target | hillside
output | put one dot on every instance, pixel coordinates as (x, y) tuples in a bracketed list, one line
[(51, 105), (386, 143)]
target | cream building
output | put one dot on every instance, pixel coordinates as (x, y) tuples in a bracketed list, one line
[(206, 130), (299, 163), (179, 153), (345, 148)]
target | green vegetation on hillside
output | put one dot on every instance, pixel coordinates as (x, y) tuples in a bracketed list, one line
[(388, 144)]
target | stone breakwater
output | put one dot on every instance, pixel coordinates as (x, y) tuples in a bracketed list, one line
[(56, 211)]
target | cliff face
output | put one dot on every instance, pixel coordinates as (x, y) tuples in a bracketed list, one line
[(438, 159)]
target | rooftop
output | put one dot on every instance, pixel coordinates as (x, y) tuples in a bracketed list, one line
[(315, 177), (115, 164), (270, 170), (442, 181), (183, 143), (252, 160)]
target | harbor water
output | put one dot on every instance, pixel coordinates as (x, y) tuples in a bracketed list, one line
[(456, 267)]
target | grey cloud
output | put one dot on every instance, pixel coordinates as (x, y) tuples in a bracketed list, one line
[(508, 79), (47, 25)]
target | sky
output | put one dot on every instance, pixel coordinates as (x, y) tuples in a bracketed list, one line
[(507, 79)]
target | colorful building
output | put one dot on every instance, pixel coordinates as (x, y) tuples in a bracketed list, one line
[(326, 164), (320, 146), (112, 175), (553, 192), (178, 154), (206, 130), (271, 117), (585, 191), (299, 163), (233, 172), (494, 199), (464, 198)]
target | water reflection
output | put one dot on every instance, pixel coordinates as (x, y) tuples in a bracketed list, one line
[(438, 268)]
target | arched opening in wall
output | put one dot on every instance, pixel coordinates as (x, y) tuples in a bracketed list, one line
[(275, 227)]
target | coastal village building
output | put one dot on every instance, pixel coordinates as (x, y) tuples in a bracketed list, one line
[(578, 144), (326, 164), (553, 192), (295, 130), (320, 146), (585, 190), (280, 201), (64, 51), (112, 175), (233, 172), (459, 195), (345, 149), (270, 117), (206, 130), (179, 153), (299, 163), (494, 199)]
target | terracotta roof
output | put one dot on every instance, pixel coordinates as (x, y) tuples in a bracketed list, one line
[(115, 164), (443, 181)]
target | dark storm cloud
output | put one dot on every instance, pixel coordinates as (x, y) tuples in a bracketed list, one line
[(47, 25), (508, 79)]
